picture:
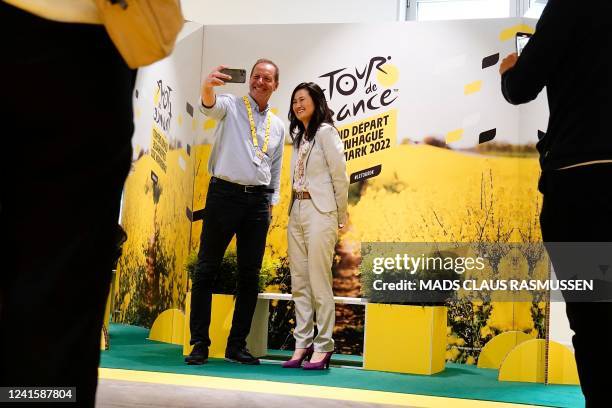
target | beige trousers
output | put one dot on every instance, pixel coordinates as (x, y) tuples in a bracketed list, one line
[(312, 238)]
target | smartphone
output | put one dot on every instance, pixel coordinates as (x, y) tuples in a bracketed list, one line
[(521, 40), (238, 75)]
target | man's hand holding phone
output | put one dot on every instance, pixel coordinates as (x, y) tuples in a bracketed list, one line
[(214, 78), (219, 77)]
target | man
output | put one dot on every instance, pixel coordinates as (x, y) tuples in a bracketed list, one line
[(245, 165), (67, 124), (569, 54)]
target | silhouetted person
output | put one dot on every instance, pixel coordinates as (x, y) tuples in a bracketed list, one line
[(569, 54), (66, 103)]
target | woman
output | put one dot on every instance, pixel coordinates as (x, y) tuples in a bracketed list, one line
[(317, 210)]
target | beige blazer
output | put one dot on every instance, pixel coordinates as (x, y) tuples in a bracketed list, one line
[(326, 173)]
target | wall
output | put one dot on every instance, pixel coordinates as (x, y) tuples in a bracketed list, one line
[(435, 82), (292, 11)]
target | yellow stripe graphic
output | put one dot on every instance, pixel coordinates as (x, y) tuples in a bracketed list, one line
[(454, 136), (472, 87), (300, 390), (510, 33), (210, 124)]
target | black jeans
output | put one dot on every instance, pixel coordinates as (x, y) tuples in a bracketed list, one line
[(228, 213), (67, 100), (577, 207)]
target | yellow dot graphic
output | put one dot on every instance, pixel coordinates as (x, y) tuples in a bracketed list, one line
[(390, 78), (510, 32), (180, 120), (209, 124), (454, 136), (156, 96), (274, 111), (472, 87)]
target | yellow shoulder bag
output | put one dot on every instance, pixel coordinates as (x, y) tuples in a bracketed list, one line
[(144, 31)]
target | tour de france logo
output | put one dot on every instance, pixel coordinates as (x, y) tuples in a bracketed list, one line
[(368, 87), (162, 118), (162, 113)]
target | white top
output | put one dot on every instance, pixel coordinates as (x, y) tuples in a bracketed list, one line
[(299, 177), (67, 11)]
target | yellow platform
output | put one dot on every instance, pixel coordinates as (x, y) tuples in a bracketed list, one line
[(495, 351), (405, 339), (221, 323), (526, 363), (168, 327)]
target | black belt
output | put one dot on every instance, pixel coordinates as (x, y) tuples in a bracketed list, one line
[(240, 188)]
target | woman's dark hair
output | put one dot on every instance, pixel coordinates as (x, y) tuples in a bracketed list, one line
[(321, 114)]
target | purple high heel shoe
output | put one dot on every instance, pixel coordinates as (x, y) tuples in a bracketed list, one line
[(297, 363), (319, 365)]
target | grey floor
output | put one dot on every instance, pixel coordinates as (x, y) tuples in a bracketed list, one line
[(124, 394)]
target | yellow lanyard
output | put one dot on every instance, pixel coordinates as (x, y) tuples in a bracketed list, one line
[(264, 149)]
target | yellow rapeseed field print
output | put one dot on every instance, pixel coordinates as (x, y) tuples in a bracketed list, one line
[(424, 194), (150, 276), (431, 194)]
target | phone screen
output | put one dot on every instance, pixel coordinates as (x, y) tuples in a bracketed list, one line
[(521, 40)]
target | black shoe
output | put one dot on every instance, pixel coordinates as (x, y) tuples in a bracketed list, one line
[(199, 355), (240, 355)]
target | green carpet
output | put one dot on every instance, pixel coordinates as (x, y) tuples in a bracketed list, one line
[(132, 351)]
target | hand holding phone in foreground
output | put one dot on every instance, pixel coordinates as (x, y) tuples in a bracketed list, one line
[(508, 63), (521, 41)]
